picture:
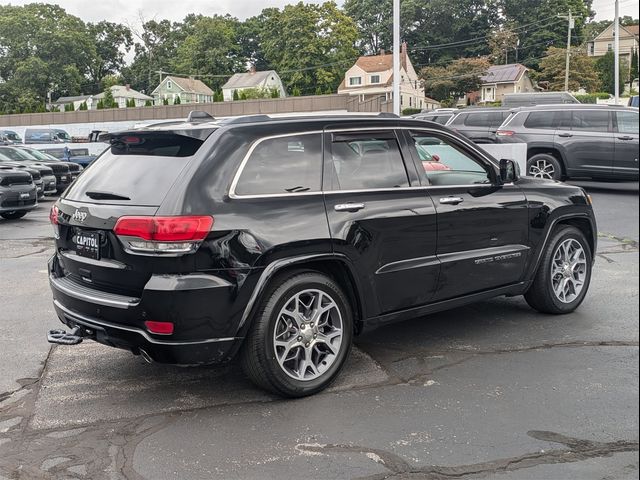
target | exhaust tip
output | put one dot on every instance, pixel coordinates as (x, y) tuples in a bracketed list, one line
[(146, 356)]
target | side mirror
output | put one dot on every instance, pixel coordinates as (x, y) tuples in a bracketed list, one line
[(509, 171)]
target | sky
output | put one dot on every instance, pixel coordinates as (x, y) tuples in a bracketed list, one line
[(129, 12)]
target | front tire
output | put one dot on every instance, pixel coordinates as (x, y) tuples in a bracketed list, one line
[(544, 165), (564, 274), (301, 336), (15, 215)]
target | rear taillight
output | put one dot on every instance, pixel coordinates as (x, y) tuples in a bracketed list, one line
[(53, 218), (505, 133), (53, 215), (163, 235)]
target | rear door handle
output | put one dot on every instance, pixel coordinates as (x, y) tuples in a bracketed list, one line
[(626, 137), (349, 207), (565, 135), (451, 200)]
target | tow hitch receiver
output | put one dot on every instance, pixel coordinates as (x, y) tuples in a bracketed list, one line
[(61, 337)]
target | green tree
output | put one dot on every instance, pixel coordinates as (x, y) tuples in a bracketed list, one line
[(582, 70), (236, 96), (148, 103), (100, 105), (42, 49), (108, 100), (211, 48), (176, 100), (605, 66), (634, 64), (68, 107), (539, 26), (83, 106), (111, 41), (309, 45), (501, 43), (374, 21), (458, 78)]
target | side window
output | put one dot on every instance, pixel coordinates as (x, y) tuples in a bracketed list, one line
[(446, 164), (480, 119), (543, 120), (590, 120), (283, 165), (366, 161), (627, 122)]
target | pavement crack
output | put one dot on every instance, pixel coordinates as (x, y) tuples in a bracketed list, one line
[(576, 450)]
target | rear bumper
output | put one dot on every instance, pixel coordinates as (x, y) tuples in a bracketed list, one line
[(196, 304)]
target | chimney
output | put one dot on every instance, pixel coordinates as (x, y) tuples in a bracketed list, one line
[(128, 86), (252, 69), (403, 54)]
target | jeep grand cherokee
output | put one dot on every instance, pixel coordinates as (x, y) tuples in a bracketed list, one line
[(281, 239)]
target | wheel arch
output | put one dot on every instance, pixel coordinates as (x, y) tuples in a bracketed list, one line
[(584, 225), (337, 267), (555, 152)]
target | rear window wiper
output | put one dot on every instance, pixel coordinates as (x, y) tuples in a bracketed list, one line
[(106, 196)]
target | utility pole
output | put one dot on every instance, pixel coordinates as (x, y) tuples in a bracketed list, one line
[(571, 26), (616, 47), (396, 57)]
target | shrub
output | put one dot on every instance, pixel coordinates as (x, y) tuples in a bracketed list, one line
[(592, 97), (148, 103), (410, 111)]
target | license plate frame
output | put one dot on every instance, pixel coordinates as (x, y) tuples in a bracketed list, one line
[(88, 244)]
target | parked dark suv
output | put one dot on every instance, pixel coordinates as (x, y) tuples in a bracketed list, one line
[(564, 141), (281, 239), (479, 124)]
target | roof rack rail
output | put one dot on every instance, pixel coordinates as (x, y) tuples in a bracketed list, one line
[(248, 119), (196, 116)]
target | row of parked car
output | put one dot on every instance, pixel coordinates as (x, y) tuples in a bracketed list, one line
[(563, 140), (27, 175), (36, 136)]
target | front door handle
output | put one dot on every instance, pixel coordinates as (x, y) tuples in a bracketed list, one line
[(565, 135), (451, 200), (349, 207), (626, 137)]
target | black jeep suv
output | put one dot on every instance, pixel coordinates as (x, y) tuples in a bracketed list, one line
[(281, 239)]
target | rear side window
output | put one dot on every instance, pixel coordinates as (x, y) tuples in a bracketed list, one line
[(291, 164), (484, 119), (590, 120), (627, 122), (135, 170), (366, 161), (543, 120)]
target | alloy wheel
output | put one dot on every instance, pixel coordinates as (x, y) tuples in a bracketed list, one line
[(568, 270), (308, 334), (542, 169)]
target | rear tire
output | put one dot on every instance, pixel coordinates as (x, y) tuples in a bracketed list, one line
[(544, 165), (15, 215), (564, 273), (301, 336)]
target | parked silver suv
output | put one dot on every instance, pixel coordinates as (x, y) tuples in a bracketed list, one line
[(563, 141)]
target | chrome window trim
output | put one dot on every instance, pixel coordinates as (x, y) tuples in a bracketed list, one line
[(243, 163), (236, 178)]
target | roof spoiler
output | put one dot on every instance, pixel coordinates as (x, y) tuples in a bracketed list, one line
[(387, 115)]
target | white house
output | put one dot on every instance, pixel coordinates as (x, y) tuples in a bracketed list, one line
[(266, 80), (121, 94), (372, 76)]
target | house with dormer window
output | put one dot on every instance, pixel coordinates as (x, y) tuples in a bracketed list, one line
[(372, 76)]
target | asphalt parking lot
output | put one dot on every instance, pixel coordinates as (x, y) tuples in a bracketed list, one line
[(492, 390)]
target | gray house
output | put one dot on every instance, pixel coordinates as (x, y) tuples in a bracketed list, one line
[(266, 80), (189, 90)]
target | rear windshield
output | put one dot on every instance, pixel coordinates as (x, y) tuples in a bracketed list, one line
[(136, 170)]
